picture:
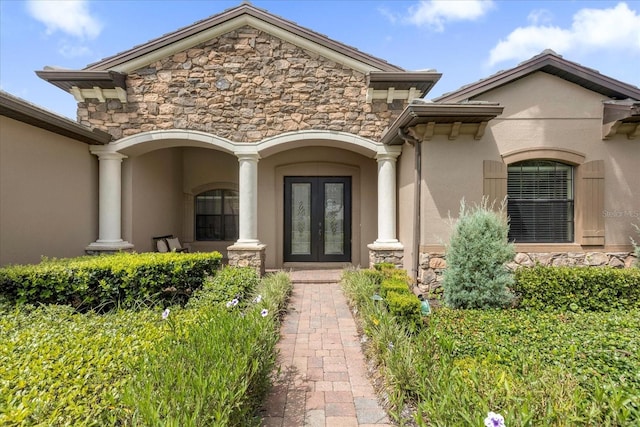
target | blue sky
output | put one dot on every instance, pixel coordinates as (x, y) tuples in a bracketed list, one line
[(464, 40)]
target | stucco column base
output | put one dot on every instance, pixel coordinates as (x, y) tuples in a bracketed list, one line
[(388, 252), (248, 255), (106, 247)]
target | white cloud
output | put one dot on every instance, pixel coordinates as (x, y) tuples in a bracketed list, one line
[(540, 16), (436, 13), (69, 16), (592, 29), (74, 51)]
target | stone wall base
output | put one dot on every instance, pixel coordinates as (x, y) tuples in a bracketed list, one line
[(248, 256), (380, 254), (432, 264)]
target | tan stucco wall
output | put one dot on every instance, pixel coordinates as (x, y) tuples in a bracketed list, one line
[(48, 194), (405, 182), (540, 111), (156, 190)]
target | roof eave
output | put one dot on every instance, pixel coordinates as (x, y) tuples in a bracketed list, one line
[(550, 63), (434, 114), (23, 111)]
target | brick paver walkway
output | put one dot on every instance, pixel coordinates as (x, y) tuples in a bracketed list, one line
[(323, 379)]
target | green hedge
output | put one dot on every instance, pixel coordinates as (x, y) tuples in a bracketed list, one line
[(571, 288), (102, 282), (405, 306), (394, 285)]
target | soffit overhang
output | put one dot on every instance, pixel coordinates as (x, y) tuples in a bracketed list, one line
[(621, 118), (23, 111), (551, 63), (421, 122), (83, 84), (406, 85)]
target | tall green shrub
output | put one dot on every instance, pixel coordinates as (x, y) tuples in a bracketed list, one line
[(476, 276), (636, 245)]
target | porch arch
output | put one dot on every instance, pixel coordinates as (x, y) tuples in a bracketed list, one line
[(145, 142)]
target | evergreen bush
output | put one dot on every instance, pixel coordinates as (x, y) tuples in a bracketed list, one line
[(476, 276), (636, 245)]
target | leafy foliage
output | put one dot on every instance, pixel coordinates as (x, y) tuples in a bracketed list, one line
[(406, 307), (227, 284), (570, 288), (636, 245), (61, 367), (104, 282), (533, 367), (214, 370), (476, 276)]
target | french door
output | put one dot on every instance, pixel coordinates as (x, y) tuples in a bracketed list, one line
[(317, 219)]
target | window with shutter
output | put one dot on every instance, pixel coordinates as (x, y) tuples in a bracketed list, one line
[(540, 202)]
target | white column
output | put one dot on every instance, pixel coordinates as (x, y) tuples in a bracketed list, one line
[(248, 199), (387, 195), (110, 204)]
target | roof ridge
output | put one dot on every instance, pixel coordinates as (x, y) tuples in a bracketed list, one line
[(233, 12), (550, 60)]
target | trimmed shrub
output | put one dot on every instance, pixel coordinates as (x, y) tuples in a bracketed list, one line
[(571, 288), (102, 282), (399, 286), (228, 284), (636, 245), (476, 276), (406, 308)]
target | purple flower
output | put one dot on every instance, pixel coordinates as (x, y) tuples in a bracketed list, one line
[(232, 303), (494, 420), (264, 312), (165, 314)]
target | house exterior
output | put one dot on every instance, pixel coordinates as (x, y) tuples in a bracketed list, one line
[(248, 134)]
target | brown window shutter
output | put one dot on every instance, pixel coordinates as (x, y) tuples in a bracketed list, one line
[(589, 215), (495, 182)]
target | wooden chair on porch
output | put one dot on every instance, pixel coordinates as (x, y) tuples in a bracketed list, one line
[(168, 243)]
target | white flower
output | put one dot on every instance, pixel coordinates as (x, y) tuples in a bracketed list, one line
[(264, 312), (232, 303), (257, 299), (390, 345), (165, 314), (494, 420)]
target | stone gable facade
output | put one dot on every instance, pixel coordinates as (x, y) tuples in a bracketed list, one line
[(244, 86)]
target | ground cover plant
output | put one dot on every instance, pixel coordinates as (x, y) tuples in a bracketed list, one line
[(61, 367), (557, 368)]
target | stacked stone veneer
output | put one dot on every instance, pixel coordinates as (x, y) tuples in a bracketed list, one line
[(245, 86), (432, 265), (392, 256)]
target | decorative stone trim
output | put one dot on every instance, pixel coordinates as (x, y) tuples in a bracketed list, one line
[(248, 256), (381, 254), (432, 264)]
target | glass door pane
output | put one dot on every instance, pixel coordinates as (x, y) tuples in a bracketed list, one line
[(301, 218), (333, 218)]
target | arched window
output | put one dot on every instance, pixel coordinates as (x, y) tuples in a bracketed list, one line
[(217, 215), (540, 202)]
